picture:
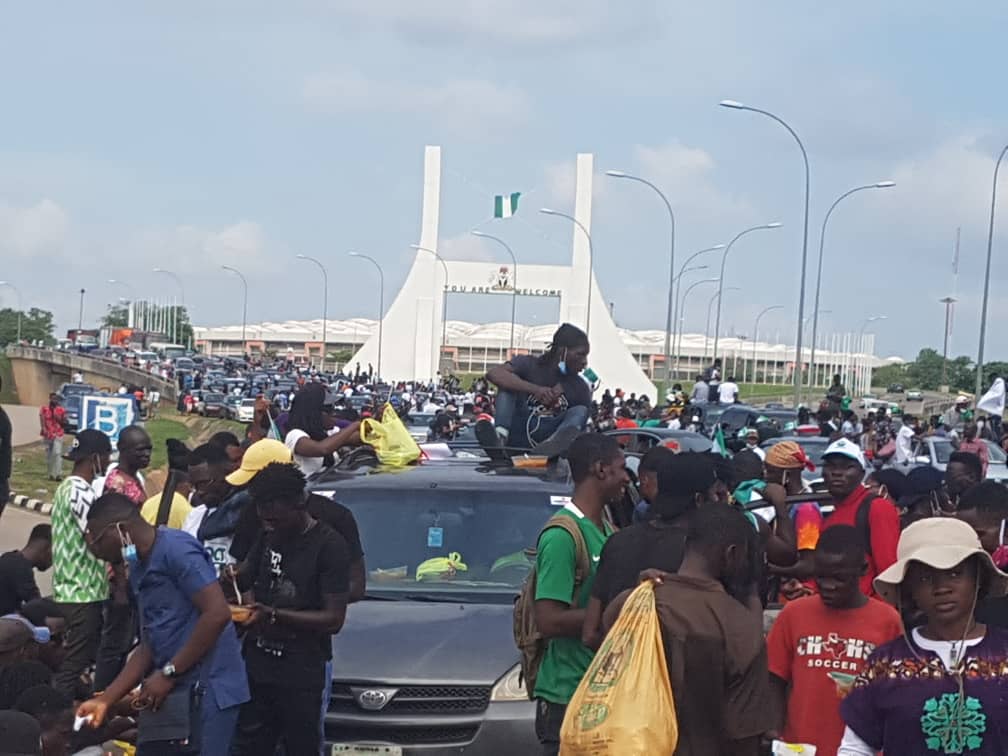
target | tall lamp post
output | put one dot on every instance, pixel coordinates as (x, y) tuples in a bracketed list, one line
[(682, 310), (444, 300), (724, 258), (178, 282), (818, 280), (804, 259), (17, 291), (986, 290), (677, 330), (514, 281), (716, 298), (755, 334), (591, 259), (381, 300), (325, 303), (80, 315), (948, 302), (244, 303), (867, 322), (669, 305)]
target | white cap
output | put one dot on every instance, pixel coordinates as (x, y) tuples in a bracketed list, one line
[(845, 448)]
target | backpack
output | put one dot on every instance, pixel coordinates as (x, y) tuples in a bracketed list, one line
[(529, 640), (861, 522)]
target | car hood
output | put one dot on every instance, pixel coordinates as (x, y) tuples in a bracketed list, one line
[(409, 641)]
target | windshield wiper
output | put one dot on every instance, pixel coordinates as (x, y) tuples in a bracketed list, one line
[(426, 597)]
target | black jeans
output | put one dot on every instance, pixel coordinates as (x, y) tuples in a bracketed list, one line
[(277, 714), (95, 632), (549, 719)]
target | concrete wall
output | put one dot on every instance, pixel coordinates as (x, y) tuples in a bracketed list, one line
[(39, 372)]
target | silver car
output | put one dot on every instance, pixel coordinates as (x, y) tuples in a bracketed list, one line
[(935, 451)]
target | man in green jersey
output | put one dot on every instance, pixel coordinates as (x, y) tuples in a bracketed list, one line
[(599, 471), (80, 582)]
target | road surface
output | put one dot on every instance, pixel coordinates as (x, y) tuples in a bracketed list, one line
[(15, 525), (25, 421)]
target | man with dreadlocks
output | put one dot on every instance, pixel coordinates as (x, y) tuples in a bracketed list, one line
[(542, 402)]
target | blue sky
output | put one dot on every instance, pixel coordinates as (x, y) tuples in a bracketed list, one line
[(201, 134)]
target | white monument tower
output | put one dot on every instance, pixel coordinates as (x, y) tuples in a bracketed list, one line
[(412, 324)]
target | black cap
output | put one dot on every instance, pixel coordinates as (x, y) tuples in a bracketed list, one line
[(20, 734), (88, 443)]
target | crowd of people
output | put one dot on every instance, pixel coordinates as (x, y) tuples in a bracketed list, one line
[(195, 612)]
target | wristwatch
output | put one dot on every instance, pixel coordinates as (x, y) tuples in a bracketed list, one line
[(168, 670)]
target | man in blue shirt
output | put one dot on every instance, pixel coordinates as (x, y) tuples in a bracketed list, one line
[(187, 645)]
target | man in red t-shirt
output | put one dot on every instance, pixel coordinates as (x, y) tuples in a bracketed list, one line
[(819, 644), (52, 417), (875, 518)]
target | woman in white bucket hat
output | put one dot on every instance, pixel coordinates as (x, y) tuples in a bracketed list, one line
[(942, 688)]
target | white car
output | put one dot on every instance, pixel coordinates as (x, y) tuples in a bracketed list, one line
[(915, 395), (246, 411)]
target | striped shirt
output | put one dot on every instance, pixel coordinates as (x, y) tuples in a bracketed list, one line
[(78, 576)]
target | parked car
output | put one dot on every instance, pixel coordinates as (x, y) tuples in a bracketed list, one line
[(213, 405), (70, 397), (232, 405), (935, 451), (431, 666), (418, 425), (638, 441), (895, 388), (915, 395), (814, 448), (246, 410)]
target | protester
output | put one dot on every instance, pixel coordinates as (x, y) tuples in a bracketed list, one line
[(818, 644), (80, 581), (973, 445), (20, 734), (701, 391), (985, 509), (229, 442), (6, 455), (939, 687), (135, 448), (993, 403), (542, 402), (904, 441), (46, 613), (963, 471), (54, 712), (52, 418), (177, 488), (297, 578), (680, 486), (217, 505), (836, 392), (17, 578), (728, 392), (857, 505), (752, 443), (307, 436), (188, 649), (598, 469)]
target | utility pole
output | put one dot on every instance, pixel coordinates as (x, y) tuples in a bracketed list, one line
[(948, 302), (80, 317)]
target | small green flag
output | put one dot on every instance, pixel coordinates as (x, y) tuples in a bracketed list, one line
[(506, 205), (719, 443)]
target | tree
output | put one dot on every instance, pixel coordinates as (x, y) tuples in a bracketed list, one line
[(36, 325), (176, 318), (116, 316)]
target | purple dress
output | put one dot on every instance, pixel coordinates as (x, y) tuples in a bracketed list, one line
[(908, 706)]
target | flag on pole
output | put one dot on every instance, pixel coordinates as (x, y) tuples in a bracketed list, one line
[(719, 442), (506, 205)]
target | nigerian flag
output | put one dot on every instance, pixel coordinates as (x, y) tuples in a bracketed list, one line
[(719, 443), (506, 205)]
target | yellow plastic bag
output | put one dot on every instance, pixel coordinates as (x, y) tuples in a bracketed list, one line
[(391, 441), (624, 704)]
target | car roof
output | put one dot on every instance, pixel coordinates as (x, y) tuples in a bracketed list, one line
[(458, 475)]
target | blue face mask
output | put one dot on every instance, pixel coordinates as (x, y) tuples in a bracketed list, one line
[(562, 367), (129, 550)]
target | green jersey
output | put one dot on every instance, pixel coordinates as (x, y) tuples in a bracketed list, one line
[(78, 576), (566, 659)]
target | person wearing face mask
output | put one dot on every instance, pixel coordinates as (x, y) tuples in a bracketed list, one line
[(542, 403), (80, 581), (188, 663)]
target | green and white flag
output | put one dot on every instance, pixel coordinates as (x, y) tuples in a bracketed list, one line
[(506, 205), (719, 445)]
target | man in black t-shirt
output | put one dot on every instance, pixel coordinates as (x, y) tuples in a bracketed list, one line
[(17, 579), (542, 402), (297, 575), (656, 543)]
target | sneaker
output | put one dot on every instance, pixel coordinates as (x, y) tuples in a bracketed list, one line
[(486, 434), (556, 445)]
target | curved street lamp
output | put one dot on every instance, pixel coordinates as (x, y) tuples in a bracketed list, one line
[(734, 105), (986, 290), (716, 298), (514, 280), (381, 300), (325, 303), (178, 281), (755, 335), (818, 281), (244, 303), (677, 332), (591, 259)]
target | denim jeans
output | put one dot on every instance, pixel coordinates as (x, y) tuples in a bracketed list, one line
[(549, 719), (511, 412), (54, 457)]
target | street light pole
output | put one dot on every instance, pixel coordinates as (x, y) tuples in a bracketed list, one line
[(755, 334), (669, 306), (591, 260), (682, 310), (381, 300), (514, 282), (716, 298), (178, 281), (325, 303), (948, 302), (677, 329), (244, 304), (868, 321), (804, 260), (986, 290), (818, 282), (444, 300), (80, 316), (724, 258), (17, 291)]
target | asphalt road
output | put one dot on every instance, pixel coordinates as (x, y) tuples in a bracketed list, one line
[(25, 422), (15, 525)]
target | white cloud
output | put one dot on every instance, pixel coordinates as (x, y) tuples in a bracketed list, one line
[(466, 247), (463, 105), (243, 245), (33, 230)]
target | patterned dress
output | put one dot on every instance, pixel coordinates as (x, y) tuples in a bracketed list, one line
[(902, 704)]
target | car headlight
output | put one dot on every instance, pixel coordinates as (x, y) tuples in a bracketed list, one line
[(510, 687)]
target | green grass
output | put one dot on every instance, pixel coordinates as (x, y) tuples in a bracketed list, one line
[(8, 393), (28, 473)]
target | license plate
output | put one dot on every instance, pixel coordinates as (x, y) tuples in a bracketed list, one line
[(365, 749)]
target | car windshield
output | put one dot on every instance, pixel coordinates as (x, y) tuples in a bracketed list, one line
[(995, 453), (406, 532), (213, 398), (78, 388)]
